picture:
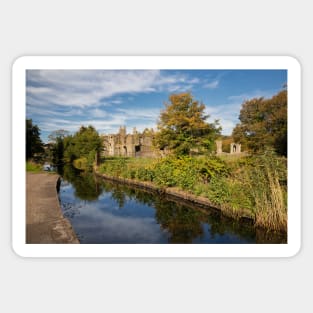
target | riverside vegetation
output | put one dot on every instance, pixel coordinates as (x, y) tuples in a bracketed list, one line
[(253, 186)]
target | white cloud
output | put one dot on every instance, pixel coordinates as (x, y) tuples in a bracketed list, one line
[(142, 113), (212, 85), (105, 122), (101, 125), (97, 113), (50, 113), (227, 115), (84, 88), (247, 96), (105, 223)]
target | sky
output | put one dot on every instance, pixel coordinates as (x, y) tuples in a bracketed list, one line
[(108, 99)]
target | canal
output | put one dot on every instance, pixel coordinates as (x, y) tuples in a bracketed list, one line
[(103, 212)]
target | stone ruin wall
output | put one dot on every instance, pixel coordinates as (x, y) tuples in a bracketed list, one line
[(141, 145), (129, 145), (235, 148)]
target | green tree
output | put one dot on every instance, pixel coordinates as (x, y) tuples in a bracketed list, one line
[(57, 138), (84, 145), (263, 124), (69, 149), (183, 128), (58, 151), (34, 144)]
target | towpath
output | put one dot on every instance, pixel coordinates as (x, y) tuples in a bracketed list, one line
[(45, 222)]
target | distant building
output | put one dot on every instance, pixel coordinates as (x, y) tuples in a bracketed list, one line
[(130, 145), (141, 144), (235, 148)]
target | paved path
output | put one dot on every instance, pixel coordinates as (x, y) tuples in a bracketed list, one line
[(44, 219)]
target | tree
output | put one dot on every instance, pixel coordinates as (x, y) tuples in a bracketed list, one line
[(57, 138), (86, 140), (182, 126), (263, 124), (33, 142), (84, 144), (58, 151)]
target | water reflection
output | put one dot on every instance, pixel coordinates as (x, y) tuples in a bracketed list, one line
[(105, 212), (86, 186)]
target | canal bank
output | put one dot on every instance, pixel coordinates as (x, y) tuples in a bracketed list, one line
[(104, 211), (180, 195), (45, 222)]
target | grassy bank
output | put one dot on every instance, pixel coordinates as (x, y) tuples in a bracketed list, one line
[(246, 186), (33, 167)]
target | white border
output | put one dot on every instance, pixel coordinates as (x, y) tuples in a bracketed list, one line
[(156, 62)]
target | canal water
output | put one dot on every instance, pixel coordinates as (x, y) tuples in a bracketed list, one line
[(103, 212)]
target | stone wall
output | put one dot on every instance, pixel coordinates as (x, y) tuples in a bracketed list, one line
[(129, 145), (141, 144), (235, 148)]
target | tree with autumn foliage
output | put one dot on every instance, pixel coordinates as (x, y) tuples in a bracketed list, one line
[(263, 124), (183, 128)]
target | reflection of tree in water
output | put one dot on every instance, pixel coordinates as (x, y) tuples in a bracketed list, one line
[(185, 222), (85, 183), (120, 191), (117, 192), (243, 229), (119, 196), (221, 225)]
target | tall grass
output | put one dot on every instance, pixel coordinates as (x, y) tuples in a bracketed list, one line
[(268, 187)]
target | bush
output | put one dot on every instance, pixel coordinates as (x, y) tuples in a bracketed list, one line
[(212, 167), (231, 196), (164, 173), (114, 167), (81, 163), (143, 173), (181, 172)]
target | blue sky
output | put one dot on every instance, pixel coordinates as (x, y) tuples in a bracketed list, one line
[(108, 99)]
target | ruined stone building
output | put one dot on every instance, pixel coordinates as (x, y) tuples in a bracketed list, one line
[(141, 144), (235, 148), (130, 145)]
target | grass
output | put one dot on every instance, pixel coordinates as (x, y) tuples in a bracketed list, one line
[(33, 167)]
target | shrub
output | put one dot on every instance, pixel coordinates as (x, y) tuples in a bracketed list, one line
[(144, 173), (212, 167), (81, 163), (231, 196)]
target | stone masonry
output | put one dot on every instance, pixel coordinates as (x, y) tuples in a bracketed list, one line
[(141, 144), (129, 145)]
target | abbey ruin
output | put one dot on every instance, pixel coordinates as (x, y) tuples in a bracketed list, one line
[(129, 145), (235, 148), (139, 144)]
